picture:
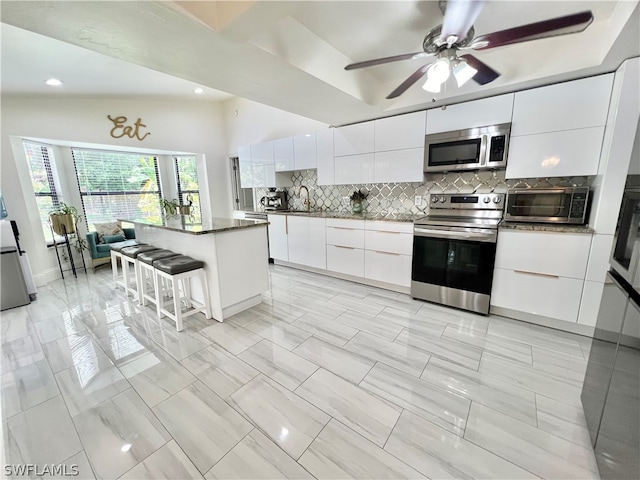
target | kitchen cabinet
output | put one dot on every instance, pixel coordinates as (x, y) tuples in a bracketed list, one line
[(399, 132), (264, 175), (246, 168), (278, 238), (570, 105), (262, 153), (388, 252), (304, 148), (345, 246), (325, 157), (306, 241), (555, 154), (283, 154), (354, 139), (399, 166), (354, 169), (478, 113)]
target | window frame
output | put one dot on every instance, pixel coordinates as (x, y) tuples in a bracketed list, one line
[(181, 192)]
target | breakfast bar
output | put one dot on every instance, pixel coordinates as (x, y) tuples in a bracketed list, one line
[(234, 252)]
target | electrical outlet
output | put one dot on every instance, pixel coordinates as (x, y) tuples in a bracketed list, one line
[(346, 201), (417, 201)]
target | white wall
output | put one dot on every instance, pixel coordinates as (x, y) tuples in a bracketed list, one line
[(190, 127)]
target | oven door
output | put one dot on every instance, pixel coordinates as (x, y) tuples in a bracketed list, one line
[(540, 206), (625, 257)]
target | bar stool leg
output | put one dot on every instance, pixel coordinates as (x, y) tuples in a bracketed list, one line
[(114, 269), (186, 283), (139, 286), (159, 285), (205, 291), (176, 303), (125, 275)]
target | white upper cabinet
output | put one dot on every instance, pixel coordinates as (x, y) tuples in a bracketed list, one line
[(354, 169), (400, 132), (479, 113), (304, 148), (262, 153), (399, 166), (354, 139), (283, 154), (264, 175), (578, 104), (324, 155)]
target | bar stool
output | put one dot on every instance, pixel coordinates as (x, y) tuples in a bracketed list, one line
[(176, 270), (116, 255), (129, 255), (145, 264)]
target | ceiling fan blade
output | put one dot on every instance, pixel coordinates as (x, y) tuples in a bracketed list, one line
[(413, 78), (459, 17), (380, 61), (485, 73), (574, 23)]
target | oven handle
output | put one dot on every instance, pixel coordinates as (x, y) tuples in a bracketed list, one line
[(489, 237)]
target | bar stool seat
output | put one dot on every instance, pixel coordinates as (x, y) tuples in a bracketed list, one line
[(129, 257), (145, 264), (178, 270), (116, 255)]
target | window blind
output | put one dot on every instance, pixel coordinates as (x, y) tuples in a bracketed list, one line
[(117, 185), (188, 185)]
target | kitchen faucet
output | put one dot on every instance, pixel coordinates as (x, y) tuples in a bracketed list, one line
[(307, 202)]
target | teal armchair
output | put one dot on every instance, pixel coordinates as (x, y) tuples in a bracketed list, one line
[(101, 252)]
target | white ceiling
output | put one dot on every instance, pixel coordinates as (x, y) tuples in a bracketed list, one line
[(289, 54)]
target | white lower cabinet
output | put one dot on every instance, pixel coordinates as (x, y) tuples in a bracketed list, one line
[(347, 260), (392, 242), (306, 241), (278, 238), (387, 267)]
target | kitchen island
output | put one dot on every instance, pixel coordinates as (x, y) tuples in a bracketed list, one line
[(234, 252)]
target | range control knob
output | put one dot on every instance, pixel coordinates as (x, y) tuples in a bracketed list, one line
[(496, 199), (434, 199), (443, 199), (486, 199)]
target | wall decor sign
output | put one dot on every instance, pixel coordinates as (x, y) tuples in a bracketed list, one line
[(120, 128)]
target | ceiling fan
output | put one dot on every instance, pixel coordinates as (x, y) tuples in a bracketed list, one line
[(457, 33)]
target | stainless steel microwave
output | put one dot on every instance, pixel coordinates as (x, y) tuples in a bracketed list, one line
[(471, 149), (548, 205)]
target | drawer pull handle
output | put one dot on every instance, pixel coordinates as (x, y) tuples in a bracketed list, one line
[(386, 231), (345, 228), (340, 246), (537, 274), (387, 253)]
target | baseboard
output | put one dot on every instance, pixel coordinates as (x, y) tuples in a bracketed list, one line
[(240, 306), (47, 276), (570, 327), (365, 281)]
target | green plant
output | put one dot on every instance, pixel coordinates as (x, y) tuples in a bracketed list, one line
[(358, 196), (64, 209), (170, 206)]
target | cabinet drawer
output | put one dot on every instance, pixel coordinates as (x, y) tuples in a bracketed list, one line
[(347, 260), (345, 237), (385, 226), (554, 297), (562, 254), (391, 242), (388, 267), (345, 223)]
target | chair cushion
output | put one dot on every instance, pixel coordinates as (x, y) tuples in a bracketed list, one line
[(150, 257), (120, 245), (137, 249), (178, 264), (109, 228), (113, 238)]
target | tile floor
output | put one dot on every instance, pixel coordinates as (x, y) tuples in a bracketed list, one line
[(325, 378)]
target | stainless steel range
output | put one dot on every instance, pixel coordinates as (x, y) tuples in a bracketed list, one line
[(454, 249)]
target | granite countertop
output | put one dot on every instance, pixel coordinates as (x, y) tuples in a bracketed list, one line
[(546, 227), (210, 225), (389, 217)]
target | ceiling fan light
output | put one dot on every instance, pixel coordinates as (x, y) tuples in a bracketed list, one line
[(431, 86), (463, 72), (439, 71)]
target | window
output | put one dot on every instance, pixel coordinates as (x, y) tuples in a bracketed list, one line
[(117, 185), (44, 179), (188, 187)]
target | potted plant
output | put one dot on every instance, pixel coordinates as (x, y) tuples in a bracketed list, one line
[(186, 208), (63, 218), (356, 200), (170, 206)]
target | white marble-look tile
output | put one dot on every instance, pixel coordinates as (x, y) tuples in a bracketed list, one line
[(361, 306), (280, 333), (287, 419), (43, 434), (244, 318), (58, 326), (122, 343), (257, 457), (179, 345), (321, 308), (280, 309), (438, 453), (231, 337), (533, 449), (400, 302), (168, 463), (77, 463), (338, 452), (314, 291), (204, 426), (335, 359), (76, 349), (12, 352), (219, 370), (279, 364), (16, 323), (369, 324), (425, 399), (569, 366), (27, 386), (156, 376), (562, 420), (356, 408), (499, 346), (482, 388), (456, 352), (119, 433), (403, 357), (452, 316), (415, 322), (88, 384), (325, 329)]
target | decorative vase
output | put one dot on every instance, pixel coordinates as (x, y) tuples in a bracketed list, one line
[(185, 209), (66, 220), (356, 206)]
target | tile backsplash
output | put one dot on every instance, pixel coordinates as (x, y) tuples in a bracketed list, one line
[(399, 197)]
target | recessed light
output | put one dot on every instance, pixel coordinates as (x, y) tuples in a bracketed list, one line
[(198, 91), (54, 82)]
